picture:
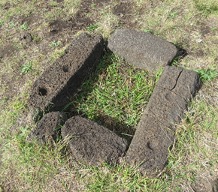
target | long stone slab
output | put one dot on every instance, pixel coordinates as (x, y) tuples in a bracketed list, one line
[(91, 143), (141, 49), (155, 132), (62, 78)]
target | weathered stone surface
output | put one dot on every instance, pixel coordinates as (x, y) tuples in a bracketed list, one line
[(149, 147), (182, 82), (156, 129), (142, 50), (91, 143), (62, 78), (167, 106), (48, 128)]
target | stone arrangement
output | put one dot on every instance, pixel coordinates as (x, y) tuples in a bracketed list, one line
[(94, 144)]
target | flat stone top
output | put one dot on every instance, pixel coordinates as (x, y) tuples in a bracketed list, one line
[(92, 143), (182, 82), (141, 49)]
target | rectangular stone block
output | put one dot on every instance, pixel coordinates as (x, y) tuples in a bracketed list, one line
[(61, 79), (155, 132), (91, 143), (143, 50), (149, 148)]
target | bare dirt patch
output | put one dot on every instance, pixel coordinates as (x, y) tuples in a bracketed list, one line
[(7, 50), (124, 10)]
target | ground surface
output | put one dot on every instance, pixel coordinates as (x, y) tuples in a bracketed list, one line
[(33, 34)]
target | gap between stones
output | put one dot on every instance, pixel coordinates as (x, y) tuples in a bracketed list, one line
[(93, 144)]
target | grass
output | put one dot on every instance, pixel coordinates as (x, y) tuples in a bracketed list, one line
[(208, 74), (25, 68), (55, 43), (120, 92), (92, 27), (115, 93), (207, 7), (24, 26)]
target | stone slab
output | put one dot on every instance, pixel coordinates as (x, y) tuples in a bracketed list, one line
[(149, 148), (155, 132), (182, 82), (61, 79), (48, 128), (141, 49), (167, 106), (91, 143)]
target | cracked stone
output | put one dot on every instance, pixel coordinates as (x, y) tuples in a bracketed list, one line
[(182, 82), (149, 147), (155, 132)]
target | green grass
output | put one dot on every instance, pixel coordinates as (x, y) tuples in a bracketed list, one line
[(92, 27), (207, 7), (207, 74), (24, 26), (119, 93), (55, 43), (26, 68)]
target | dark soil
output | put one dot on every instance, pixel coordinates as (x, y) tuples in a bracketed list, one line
[(80, 20), (7, 50), (124, 11), (26, 37), (57, 26)]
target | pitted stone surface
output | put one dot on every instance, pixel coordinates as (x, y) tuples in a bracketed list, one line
[(91, 143), (62, 78), (141, 49), (155, 132), (167, 106), (48, 128)]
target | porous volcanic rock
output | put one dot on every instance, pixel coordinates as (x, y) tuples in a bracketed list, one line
[(91, 143), (48, 128), (61, 79), (141, 49), (155, 132)]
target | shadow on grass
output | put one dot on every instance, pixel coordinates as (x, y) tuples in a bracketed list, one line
[(113, 124)]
